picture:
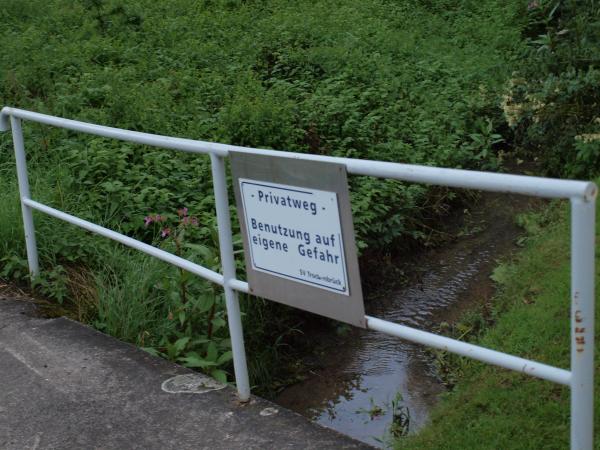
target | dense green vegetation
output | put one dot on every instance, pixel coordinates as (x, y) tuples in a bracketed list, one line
[(492, 408), (401, 82), (410, 82), (552, 99), (448, 83)]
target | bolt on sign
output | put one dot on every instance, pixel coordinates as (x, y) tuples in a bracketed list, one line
[(298, 234)]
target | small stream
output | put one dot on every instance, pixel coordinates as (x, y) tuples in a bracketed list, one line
[(363, 376)]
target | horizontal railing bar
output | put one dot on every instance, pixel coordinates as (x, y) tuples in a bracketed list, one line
[(505, 360), (130, 242), (486, 355), (240, 286), (155, 140), (458, 178), (487, 181)]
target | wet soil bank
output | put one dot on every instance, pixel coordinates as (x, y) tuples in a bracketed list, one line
[(361, 378)]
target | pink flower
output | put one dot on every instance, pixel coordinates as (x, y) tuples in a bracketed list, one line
[(148, 220), (183, 212), (190, 220), (165, 232)]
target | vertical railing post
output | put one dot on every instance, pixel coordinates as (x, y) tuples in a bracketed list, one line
[(234, 316), (23, 180), (583, 217)]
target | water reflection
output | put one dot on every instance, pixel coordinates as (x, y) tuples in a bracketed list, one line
[(366, 373)]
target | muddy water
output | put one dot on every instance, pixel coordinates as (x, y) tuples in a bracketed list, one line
[(363, 376)]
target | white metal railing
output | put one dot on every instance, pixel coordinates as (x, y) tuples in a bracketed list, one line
[(582, 195)]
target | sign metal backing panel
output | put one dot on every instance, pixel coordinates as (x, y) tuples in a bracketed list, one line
[(298, 234)]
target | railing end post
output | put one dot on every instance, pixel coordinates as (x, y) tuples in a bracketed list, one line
[(591, 192), (5, 119), (583, 232)]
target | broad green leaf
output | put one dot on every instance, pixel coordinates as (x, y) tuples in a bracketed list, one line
[(195, 362), (225, 357), (151, 350), (211, 352), (218, 323), (219, 375), (205, 303), (181, 343), (204, 251)]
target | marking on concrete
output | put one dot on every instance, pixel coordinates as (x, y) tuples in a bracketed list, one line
[(191, 383), (23, 361), (36, 442), (37, 343), (269, 411)]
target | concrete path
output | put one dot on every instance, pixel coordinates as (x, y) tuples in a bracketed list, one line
[(66, 386)]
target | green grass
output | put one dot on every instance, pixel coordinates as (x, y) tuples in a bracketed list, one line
[(129, 306), (491, 408)]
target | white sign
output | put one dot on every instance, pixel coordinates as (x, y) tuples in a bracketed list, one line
[(295, 233)]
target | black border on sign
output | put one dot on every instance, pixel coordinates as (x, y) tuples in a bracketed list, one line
[(302, 280)]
